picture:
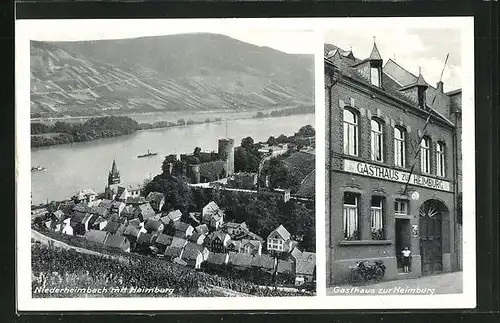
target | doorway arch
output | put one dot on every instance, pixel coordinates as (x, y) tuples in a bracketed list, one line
[(432, 215)]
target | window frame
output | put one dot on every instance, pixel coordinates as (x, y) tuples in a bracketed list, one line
[(400, 144), (347, 208), (377, 214), (425, 155), (377, 134), (350, 148), (397, 211), (377, 74), (441, 159)]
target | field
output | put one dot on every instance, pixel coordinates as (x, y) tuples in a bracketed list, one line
[(77, 274)]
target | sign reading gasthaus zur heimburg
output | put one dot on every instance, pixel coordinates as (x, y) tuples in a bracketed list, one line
[(395, 175)]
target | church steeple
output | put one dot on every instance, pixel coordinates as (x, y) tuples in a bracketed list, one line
[(114, 175)]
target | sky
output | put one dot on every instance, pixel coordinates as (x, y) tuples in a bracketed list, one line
[(410, 48), (288, 40)]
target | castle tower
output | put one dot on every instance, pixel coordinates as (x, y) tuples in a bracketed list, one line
[(226, 153), (194, 173), (114, 175)]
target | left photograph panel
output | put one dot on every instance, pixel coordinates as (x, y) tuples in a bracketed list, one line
[(169, 164)]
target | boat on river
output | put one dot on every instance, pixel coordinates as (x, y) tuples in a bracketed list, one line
[(38, 168), (148, 154)]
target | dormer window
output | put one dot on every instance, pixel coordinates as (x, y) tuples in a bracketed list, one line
[(375, 76)]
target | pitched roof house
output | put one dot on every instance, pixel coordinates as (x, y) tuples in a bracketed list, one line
[(216, 258), (153, 226), (156, 200), (217, 241), (118, 242), (163, 241), (235, 230), (111, 227), (305, 267), (132, 232), (100, 223), (240, 261), (192, 257), (197, 238), (284, 266), (144, 212), (234, 245), (97, 236), (106, 203), (204, 251), (212, 215), (264, 262), (172, 252), (202, 228), (178, 242), (136, 201), (182, 229), (251, 247), (279, 240)]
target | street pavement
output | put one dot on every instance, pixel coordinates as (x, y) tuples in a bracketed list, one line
[(449, 283)]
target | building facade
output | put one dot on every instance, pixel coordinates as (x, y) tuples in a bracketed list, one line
[(392, 168)]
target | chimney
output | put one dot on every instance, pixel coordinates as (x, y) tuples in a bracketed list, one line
[(439, 86)]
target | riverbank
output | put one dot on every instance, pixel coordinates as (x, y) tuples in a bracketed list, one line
[(63, 132)]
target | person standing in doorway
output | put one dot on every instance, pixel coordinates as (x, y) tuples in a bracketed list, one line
[(406, 259)]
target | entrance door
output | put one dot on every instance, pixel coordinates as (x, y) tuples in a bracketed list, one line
[(402, 238), (430, 239)]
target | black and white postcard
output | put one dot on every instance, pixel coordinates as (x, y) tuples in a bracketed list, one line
[(170, 160), (399, 144)]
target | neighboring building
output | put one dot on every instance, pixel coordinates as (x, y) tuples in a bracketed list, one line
[(197, 238), (111, 227), (393, 144), (135, 201), (144, 212), (202, 229), (211, 171), (279, 240), (172, 252), (178, 242), (192, 257), (217, 241), (87, 195), (218, 259), (233, 246), (76, 222), (284, 267), (305, 268), (153, 226), (172, 216), (203, 250), (117, 207), (240, 261), (265, 263), (243, 180), (118, 242), (212, 215), (96, 236), (251, 247), (156, 200), (182, 230), (100, 223), (274, 151), (235, 230), (283, 194), (132, 232), (162, 242)]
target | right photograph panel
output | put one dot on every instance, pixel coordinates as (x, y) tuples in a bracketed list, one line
[(393, 161)]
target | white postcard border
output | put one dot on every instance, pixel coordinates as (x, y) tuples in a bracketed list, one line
[(38, 29)]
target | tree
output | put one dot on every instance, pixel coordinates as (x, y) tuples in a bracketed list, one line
[(260, 115), (178, 194), (181, 122), (197, 151), (282, 139), (247, 143), (306, 131), (272, 141)]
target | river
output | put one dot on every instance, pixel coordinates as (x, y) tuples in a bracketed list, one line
[(77, 166)]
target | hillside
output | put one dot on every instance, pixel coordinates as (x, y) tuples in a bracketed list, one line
[(192, 72)]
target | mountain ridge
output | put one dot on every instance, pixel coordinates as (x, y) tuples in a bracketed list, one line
[(195, 72)]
